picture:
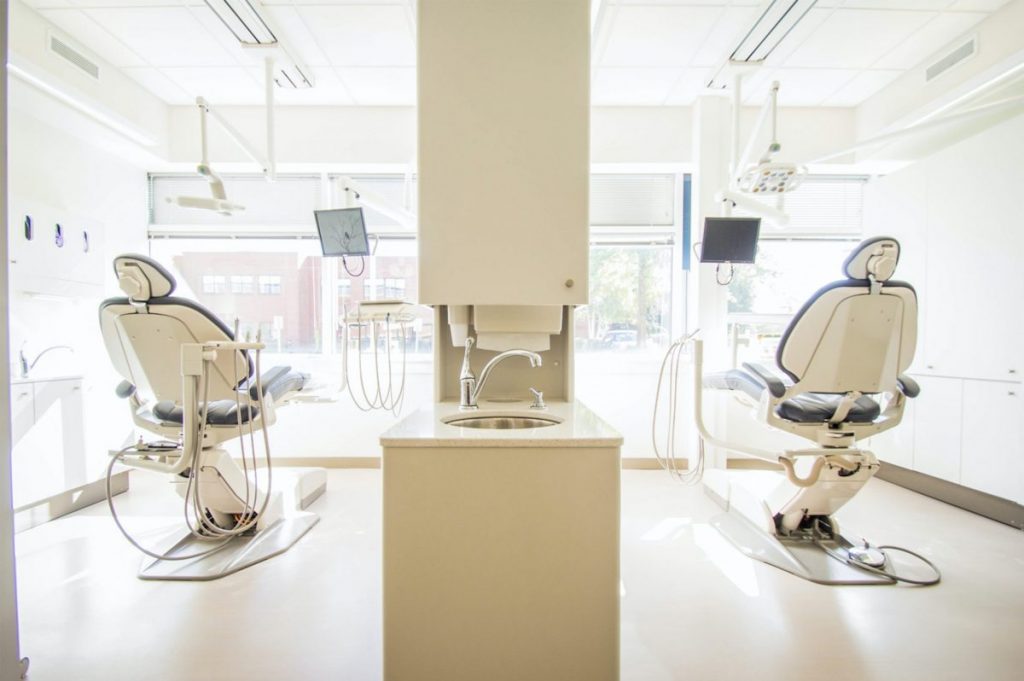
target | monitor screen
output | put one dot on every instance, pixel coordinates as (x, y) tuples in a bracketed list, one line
[(731, 240), (342, 232)]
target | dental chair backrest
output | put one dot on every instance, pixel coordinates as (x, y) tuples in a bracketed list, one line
[(857, 334), (144, 331)]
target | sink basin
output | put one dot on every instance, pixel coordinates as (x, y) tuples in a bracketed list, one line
[(502, 422)]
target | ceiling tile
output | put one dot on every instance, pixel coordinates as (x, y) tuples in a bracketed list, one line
[(933, 37), (978, 5), (92, 36), (380, 86), (43, 4), (726, 34), (617, 86), (862, 86), (164, 36), (918, 5), (362, 35), (657, 35), (297, 35), (856, 38), (799, 34), (160, 85), (220, 85)]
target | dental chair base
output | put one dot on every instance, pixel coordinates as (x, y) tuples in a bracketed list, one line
[(756, 524), (275, 533)]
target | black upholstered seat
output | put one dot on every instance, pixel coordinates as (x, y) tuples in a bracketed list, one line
[(805, 408)]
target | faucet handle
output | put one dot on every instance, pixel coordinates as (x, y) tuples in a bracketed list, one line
[(538, 399)]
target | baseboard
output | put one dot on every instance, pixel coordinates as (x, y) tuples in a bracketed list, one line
[(628, 463), (51, 508), (984, 504)]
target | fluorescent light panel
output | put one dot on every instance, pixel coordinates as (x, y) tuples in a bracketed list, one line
[(243, 20), (774, 24)]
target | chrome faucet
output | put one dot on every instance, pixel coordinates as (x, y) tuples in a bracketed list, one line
[(470, 386), (27, 366)]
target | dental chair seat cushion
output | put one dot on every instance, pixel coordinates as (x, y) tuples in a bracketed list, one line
[(220, 413), (279, 381), (806, 408), (819, 407)]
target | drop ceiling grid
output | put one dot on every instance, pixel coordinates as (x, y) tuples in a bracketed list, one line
[(646, 52)]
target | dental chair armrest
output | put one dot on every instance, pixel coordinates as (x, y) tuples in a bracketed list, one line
[(125, 389), (766, 376), (908, 386)]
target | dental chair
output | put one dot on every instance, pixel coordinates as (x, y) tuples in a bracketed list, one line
[(839, 379), (189, 381)]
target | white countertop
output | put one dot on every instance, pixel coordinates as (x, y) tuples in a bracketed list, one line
[(578, 427)]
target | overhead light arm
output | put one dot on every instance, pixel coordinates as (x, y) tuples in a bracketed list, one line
[(356, 195), (770, 106)]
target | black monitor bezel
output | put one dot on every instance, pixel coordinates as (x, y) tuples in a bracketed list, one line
[(757, 237)]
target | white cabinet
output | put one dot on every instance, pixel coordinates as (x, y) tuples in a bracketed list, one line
[(47, 437), (973, 319), (992, 459), (504, 166), (937, 427)]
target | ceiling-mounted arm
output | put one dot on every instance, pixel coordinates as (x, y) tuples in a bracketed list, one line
[(206, 108), (355, 195), (770, 106)]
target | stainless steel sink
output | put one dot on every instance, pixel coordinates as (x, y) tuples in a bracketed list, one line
[(502, 422)]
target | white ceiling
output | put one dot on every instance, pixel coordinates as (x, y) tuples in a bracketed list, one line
[(645, 52)]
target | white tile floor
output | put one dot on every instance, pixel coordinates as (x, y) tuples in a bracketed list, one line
[(693, 607)]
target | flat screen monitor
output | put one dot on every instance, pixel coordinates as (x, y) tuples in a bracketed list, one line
[(342, 232), (732, 240)]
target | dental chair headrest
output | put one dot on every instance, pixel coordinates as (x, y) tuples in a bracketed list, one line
[(142, 278), (876, 256)]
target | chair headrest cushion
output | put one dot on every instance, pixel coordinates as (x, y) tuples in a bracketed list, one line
[(143, 278), (876, 256)]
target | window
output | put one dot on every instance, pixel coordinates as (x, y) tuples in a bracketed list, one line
[(289, 317), (241, 283), (630, 300), (270, 284), (213, 283)]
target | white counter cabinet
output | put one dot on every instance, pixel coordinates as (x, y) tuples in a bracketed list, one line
[(964, 430), (501, 548)]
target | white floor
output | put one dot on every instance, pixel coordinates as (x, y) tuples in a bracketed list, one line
[(692, 608)]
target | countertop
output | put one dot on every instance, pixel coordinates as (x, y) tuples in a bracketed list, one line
[(578, 427)]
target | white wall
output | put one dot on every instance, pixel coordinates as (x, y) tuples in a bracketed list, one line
[(336, 136), (78, 177), (909, 97), (114, 95)]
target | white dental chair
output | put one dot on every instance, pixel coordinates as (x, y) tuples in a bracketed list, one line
[(189, 381), (839, 379)]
